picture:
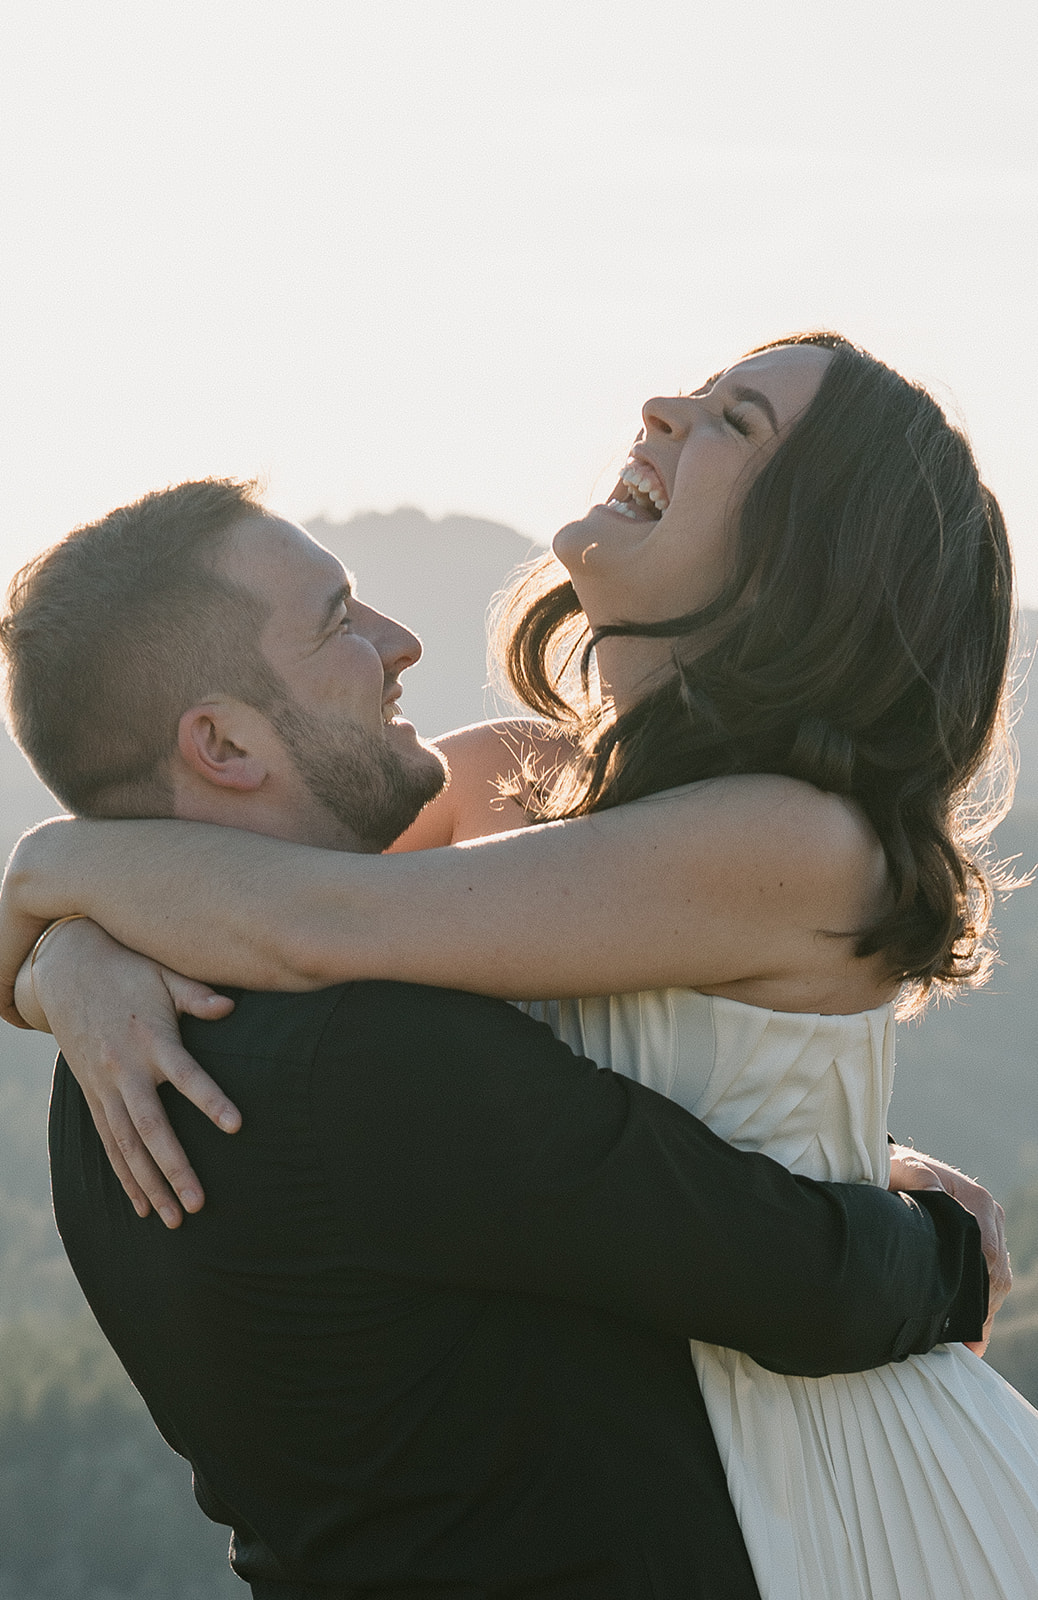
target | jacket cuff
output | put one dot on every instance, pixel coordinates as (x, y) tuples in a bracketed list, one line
[(963, 1268)]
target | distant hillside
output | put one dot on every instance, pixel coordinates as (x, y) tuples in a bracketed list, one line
[(966, 1086), (967, 1075), (1025, 730), (438, 577)]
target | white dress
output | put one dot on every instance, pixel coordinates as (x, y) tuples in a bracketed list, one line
[(916, 1481)]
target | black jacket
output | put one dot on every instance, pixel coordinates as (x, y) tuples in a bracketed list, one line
[(428, 1336)]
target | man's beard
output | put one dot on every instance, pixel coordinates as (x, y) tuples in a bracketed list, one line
[(373, 791)]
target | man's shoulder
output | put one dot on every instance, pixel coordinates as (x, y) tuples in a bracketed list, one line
[(266, 1025), (278, 1026), (372, 1057)]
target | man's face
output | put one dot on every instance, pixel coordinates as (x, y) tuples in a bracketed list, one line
[(364, 774)]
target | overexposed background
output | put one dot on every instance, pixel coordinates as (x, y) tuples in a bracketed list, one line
[(437, 252)]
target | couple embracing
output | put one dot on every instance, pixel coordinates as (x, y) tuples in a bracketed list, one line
[(427, 1330)]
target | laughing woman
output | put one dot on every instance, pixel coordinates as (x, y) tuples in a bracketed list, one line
[(749, 835)]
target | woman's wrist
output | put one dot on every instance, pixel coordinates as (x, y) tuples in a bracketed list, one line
[(27, 1002), (49, 963), (48, 934)]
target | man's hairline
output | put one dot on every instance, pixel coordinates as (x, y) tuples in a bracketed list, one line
[(208, 561)]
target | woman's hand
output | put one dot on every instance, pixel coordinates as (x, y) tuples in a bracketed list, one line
[(114, 1016), (909, 1169)]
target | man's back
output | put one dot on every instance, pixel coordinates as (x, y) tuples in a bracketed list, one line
[(371, 1385)]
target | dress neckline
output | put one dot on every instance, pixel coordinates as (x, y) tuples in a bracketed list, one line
[(884, 1008)]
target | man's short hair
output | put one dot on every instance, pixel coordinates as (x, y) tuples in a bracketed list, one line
[(113, 633)]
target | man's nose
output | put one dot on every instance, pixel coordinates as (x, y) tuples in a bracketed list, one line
[(397, 646)]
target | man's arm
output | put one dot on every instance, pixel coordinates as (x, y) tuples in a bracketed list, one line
[(480, 1152), (913, 1172)]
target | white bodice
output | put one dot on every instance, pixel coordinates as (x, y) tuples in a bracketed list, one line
[(810, 1091)]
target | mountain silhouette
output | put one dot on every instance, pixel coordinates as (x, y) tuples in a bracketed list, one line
[(438, 578)]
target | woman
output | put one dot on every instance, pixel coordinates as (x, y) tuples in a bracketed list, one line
[(800, 595)]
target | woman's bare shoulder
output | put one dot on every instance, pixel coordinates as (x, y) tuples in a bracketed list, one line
[(503, 739), (816, 848), (486, 760), (764, 885)]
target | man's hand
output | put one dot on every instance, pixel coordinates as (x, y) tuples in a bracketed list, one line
[(910, 1169)]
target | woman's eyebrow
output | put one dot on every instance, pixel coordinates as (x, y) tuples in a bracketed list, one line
[(755, 397)]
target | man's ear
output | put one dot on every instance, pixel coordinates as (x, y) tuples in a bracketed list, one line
[(213, 743)]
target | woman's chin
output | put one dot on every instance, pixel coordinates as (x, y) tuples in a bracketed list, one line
[(592, 541), (576, 548), (571, 543)]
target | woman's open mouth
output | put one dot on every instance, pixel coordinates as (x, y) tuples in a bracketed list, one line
[(639, 495)]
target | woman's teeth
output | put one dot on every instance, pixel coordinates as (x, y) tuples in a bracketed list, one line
[(644, 490), (642, 493)]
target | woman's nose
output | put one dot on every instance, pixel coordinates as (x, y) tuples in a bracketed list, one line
[(667, 414)]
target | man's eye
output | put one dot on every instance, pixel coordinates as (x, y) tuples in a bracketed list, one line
[(738, 422)]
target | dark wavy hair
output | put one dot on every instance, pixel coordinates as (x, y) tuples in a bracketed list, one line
[(861, 643)]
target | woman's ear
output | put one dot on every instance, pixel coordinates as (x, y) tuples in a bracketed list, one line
[(213, 740)]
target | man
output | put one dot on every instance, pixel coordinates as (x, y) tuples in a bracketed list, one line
[(429, 1333)]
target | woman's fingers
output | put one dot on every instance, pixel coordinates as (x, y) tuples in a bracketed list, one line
[(146, 1140), (133, 1190), (146, 1155), (181, 1069), (114, 1015), (188, 1078), (195, 999)]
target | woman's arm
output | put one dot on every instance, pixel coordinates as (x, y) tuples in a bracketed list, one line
[(690, 888), (727, 882), (480, 756)]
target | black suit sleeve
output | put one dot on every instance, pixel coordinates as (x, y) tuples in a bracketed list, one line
[(476, 1150)]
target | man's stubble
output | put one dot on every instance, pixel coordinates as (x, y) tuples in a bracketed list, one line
[(371, 789)]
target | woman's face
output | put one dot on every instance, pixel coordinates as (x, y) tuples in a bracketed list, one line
[(663, 542)]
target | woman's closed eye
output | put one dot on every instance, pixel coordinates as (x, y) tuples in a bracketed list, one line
[(737, 420)]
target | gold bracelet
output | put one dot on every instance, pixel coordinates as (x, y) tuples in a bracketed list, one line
[(73, 916)]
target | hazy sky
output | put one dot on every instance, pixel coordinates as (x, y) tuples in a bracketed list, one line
[(437, 252)]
